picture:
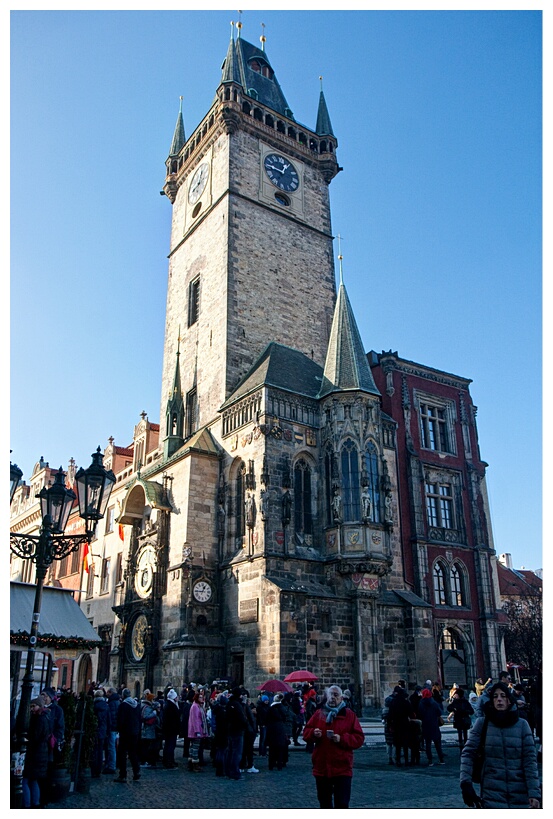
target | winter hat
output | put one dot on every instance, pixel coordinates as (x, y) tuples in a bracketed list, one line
[(149, 696), (428, 682), (98, 693), (126, 693), (37, 701), (426, 693), (473, 697), (264, 698), (172, 695), (49, 692)]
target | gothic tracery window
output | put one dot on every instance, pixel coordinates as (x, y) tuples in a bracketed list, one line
[(371, 467), (328, 486), (240, 499), (350, 481), (457, 586), (302, 498), (439, 585)]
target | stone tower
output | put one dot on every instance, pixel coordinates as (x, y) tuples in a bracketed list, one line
[(251, 246)]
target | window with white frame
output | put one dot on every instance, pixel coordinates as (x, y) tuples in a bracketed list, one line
[(436, 423), (439, 505)]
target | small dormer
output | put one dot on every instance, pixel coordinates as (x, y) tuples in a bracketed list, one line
[(261, 66)]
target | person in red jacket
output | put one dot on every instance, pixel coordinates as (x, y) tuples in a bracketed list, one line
[(336, 734)]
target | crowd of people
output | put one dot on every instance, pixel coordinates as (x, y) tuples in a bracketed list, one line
[(498, 725), (497, 721)]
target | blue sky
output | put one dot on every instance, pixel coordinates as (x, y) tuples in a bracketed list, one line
[(438, 119)]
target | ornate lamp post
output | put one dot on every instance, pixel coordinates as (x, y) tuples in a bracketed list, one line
[(15, 477), (94, 487)]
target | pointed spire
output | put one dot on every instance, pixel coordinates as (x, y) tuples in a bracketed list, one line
[(324, 126), (230, 68), (174, 412), (263, 39), (346, 366), (178, 136)]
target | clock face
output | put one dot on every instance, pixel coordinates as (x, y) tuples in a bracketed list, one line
[(145, 568), (138, 638), (281, 172), (202, 591), (198, 183)]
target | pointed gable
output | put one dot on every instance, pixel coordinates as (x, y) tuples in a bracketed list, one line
[(346, 366), (281, 367)]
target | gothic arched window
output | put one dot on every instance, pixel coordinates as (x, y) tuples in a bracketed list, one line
[(371, 467), (240, 499), (303, 522), (457, 586), (328, 487), (350, 481), (439, 585)]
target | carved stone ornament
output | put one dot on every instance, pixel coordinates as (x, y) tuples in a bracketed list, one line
[(365, 567)]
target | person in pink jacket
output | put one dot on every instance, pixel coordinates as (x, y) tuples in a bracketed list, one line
[(197, 730), (336, 733)]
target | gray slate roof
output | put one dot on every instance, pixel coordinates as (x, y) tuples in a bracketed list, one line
[(236, 68), (346, 366), (281, 367)]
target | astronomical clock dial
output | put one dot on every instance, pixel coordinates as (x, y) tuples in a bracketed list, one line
[(145, 568), (202, 591), (138, 637), (198, 183), (281, 172)]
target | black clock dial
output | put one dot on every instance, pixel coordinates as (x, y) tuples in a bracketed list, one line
[(281, 172)]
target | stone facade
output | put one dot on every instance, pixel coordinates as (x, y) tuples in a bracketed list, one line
[(298, 507)]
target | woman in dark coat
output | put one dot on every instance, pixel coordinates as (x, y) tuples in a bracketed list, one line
[(398, 718), (170, 728), (103, 715), (277, 738), (462, 711), (430, 715), (510, 770), (36, 758)]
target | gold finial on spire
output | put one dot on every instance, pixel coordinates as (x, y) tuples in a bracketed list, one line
[(263, 38), (239, 23), (321, 79), (232, 29)]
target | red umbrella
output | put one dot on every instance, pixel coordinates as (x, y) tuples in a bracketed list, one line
[(300, 676), (275, 685)]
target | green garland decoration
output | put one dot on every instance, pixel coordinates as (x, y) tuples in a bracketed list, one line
[(21, 638)]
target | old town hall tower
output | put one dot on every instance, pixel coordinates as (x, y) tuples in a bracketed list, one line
[(301, 504)]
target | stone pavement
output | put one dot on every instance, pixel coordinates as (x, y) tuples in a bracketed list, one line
[(376, 784)]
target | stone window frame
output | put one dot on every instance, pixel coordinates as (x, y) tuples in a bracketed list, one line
[(374, 476), (446, 478), (191, 416), (310, 466), (353, 504), (105, 575), (193, 301), (448, 408), (445, 594)]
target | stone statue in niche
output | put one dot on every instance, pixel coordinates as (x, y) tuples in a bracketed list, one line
[(264, 501), (366, 503), (221, 516), (250, 511), (337, 506), (388, 515), (286, 507)]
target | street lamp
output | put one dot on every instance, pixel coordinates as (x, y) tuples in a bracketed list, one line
[(94, 487), (15, 477)]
